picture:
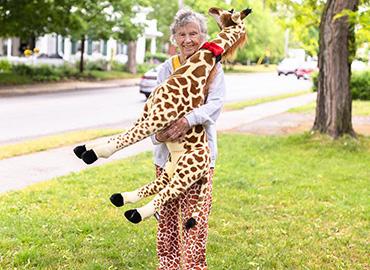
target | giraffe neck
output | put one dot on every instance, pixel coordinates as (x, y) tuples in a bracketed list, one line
[(229, 36)]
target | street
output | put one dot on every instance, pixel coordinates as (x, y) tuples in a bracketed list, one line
[(25, 117)]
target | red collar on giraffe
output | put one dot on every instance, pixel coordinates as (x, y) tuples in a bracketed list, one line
[(213, 47)]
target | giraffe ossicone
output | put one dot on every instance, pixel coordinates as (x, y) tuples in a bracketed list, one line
[(182, 92)]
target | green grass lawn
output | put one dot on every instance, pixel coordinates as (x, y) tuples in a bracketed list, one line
[(109, 75), (252, 102), (53, 141), (248, 69), (7, 79), (298, 202), (359, 107)]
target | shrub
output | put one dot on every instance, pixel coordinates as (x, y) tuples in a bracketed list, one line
[(45, 71), (68, 70), (142, 68), (22, 69), (360, 84), (5, 66), (97, 65), (117, 66), (315, 82), (156, 58), (40, 73)]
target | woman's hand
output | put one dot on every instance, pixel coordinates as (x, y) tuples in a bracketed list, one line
[(175, 132)]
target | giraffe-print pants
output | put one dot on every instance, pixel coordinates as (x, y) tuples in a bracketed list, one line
[(178, 248)]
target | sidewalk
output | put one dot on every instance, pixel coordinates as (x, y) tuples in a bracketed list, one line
[(19, 172), (65, 86)]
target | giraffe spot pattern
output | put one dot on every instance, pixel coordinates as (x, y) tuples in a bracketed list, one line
[(181, 93), (200, 71)]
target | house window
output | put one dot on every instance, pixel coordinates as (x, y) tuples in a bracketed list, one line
[(119, 47), (96, 47), (5, 48), (63, 39), (105, 47), (74, 46), (89, 46)]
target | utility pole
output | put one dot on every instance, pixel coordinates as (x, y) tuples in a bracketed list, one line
[(286, 43), (181, 4)]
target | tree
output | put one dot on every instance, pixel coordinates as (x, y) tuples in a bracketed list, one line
[(93, 19), (29, 19), (262, 21), (303, 19), (334, 102), (337, 49), (127, 29), (264, 33), (164, 14)]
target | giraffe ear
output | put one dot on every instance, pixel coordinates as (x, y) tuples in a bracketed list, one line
[(245, 13), (216, 13)]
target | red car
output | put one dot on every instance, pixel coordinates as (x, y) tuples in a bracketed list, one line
[(305, 70)]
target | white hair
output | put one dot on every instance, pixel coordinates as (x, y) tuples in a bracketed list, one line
[(185, 16)]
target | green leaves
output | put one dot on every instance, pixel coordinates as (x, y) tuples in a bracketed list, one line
[(93, 18), (303, 18), (28, 18)]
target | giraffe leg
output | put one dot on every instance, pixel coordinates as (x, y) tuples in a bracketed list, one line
[(182, 179), (119, 199), (80, 149), (88, 155), (157, 118), (111, 145)]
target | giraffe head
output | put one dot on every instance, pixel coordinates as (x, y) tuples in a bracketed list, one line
[(232, 25)]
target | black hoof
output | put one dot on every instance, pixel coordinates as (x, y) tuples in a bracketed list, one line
[(117, 199), (79, 150), (133, 216), (190, 223), (89, 157)]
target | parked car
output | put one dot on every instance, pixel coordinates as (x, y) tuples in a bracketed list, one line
[(149, 81), (358, 65), (288, 66), (306, 69)]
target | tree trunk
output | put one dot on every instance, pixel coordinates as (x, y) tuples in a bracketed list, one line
[(334, 101), (82, 54), (131, 62)]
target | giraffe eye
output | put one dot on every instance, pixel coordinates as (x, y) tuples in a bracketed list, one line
[(231, 11)]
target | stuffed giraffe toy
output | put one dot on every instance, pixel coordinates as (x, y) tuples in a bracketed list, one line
[(182, 92)]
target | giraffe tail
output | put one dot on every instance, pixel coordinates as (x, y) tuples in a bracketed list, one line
[(190, 223)]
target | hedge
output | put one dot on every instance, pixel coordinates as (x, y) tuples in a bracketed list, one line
[(359, 84)]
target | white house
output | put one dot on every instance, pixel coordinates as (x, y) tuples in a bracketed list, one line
[(55, 48)]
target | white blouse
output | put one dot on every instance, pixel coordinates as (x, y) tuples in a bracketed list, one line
[(205, 115)]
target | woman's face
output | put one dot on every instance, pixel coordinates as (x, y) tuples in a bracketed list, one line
[(188, 38)]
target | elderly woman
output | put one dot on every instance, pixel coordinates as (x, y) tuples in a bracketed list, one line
[(177, 247)]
